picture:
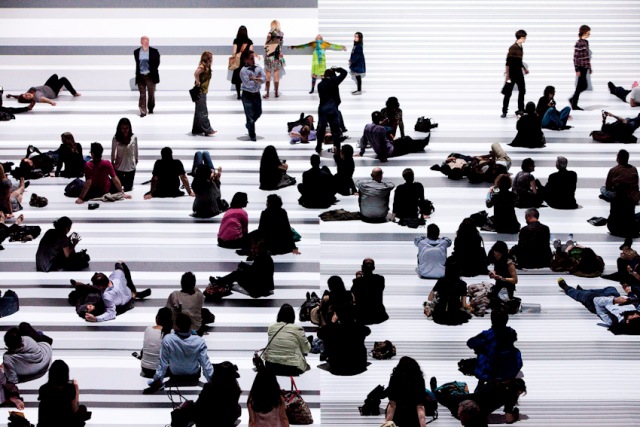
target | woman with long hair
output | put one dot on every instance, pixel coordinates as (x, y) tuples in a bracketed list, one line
[(407, 395), (234, 226), (273, 171), (504, 269), (241, 44), (275, 229), (468, 249), (357, 65), (124, 153), (69, 156), (60, 400), (526, 187), (392, 117), (503, 200), (287, 345), (201, 124), (217, 405), (10, 197), (152, 342), (47, 92), (265, 402), (274, 62), (206, 186), (448, 297)]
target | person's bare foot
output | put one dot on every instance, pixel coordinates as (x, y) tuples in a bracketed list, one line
[(77, 94), (2, 217), (20, 219)]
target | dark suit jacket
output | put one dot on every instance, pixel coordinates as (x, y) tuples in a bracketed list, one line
[(154, 63), (560, 191)]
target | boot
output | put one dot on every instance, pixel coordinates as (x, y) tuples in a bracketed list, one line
[(275, 86)]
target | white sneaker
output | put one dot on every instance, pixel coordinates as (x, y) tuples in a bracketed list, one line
[(357, 92)]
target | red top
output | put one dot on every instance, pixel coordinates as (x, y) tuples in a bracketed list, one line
[(99, 175)]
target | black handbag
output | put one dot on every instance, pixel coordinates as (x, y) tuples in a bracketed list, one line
[(194, 92)]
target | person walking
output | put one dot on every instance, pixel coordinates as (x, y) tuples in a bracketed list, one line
[(582, 65), (147, 62), (252, 78)]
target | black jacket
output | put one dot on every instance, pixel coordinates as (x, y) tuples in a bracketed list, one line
[(154, 63)]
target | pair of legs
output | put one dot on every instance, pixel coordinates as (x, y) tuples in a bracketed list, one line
[(618, 91), (581, 86), (358, 85), (406, 145), (586, 296), (508, 90), (56, 84), (126, 179), (329, 114), (554, 119), (201, 124), (276, 81), (314, 77), (146, 103), (201, 158), (252, 104)]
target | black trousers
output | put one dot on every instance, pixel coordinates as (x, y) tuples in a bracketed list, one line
[(518, 80), (581, 86), (56, 84)]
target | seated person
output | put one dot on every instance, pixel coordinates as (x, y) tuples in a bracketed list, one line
[(345, 168), (473, 409), (69, 156), (343, 339), (234, 227), (183, 354), (206, 187), (622, 129), (549, 116), (190, 301), (60, 400), (622, 220), (619, 313), (632, 97), (448, 299), (528, 190), (167, 175), (532, 250), (302, 134), (336, 296), (220, 396), (100, 177), (10, 195), (273, 171), (503, 201), (628, 267), (287, 345), (622, 178), (47, 92), (504, 273), (26, 358), (373, 197), (407, 394), (275, 229), (56, 251), (468, 249), (408, 200), (201, 158), (560, 191), (392, 117), (529, 131), (377, 137), (432, 253), (153, 335), (367, 291), (118, 292), (318, 188), (255, 277)]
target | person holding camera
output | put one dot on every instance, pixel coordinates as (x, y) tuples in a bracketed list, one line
[(60, 399), (550, 117), (56, 251)]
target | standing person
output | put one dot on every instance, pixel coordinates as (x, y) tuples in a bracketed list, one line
[(550, 117), (252, 78), (274, 58), (582, 64), (241, 44), (265, 403), (60, 399), (202, 75), (515, 70), (319, 59), (407, 395), (124, 153), (147, 77), (328, 113), (357, 65)]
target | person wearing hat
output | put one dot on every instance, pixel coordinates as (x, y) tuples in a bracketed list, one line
[(560, 191)]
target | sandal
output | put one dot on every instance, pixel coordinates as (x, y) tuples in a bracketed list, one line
[(266, 96)]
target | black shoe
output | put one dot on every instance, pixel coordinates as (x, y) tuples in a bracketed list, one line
[(242, 252), (579, 288), (627, 242), (27, 184), (563, 284), (576, 108), (433, 383), (503, 115), (142, 114), (612, 88), (144, 294), (150, 111)]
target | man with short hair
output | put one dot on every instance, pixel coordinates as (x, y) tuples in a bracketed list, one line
[(515, 70), (317, 189), (632, 97), (373, 197), (167, 175), (100, 177), (328, 113), (147, 77), (560, 191), (252, 78), (532, 250), (432, 253), (622, 178), (367, 293), (183, 354)]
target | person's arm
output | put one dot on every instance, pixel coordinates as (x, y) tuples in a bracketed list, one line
[(109, 311), (621, 119), (197, 73), (477, 343), (341, 74), (532, 185), (70, 248), (305, 346), (400, 123), (163, 363), (283, 166), (601, 304), (205, 363), (260, 76), (252, 415), (422, 415), (75, 403), (134, 141), (47, 101), (300, 46), (633, 102), (85, 190), (185, 182), (333, 46), (114, 149), (391, 410), (427, 308)]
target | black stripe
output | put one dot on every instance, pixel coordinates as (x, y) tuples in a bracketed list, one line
[(88, 328), (158, 4), (223, 50), (280, 267)]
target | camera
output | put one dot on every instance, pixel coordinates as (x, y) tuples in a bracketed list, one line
[(75, 237)]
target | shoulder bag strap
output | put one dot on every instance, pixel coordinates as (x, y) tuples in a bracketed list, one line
[(274, 335)]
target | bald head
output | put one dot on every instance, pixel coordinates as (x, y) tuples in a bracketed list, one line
[(376, 174), (144, 42)]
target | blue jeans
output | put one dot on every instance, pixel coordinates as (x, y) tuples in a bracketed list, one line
[(201, 117), (586, 296), (252, 103), (554, 119), (200, 158)]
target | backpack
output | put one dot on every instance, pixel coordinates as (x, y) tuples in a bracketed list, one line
[(5, 116), (424, 125), (311, 302), (74, 188), (383, 350), (9, 303)]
